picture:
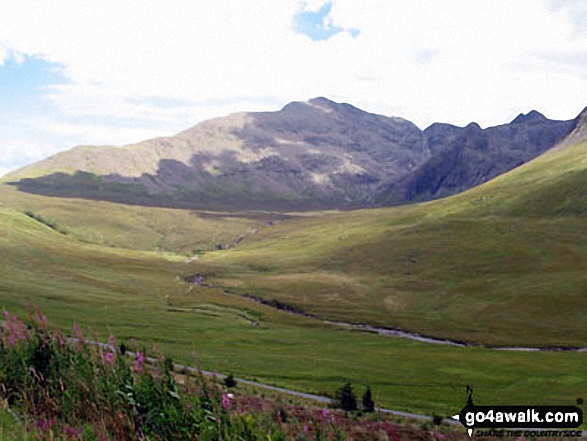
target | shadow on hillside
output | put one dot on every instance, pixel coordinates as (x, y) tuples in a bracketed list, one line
[(237, 187)]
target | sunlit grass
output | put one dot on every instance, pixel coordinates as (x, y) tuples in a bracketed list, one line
[(499, 264)]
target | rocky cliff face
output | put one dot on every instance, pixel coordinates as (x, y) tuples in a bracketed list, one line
[(309, 155), (464, 158), (579, 133)]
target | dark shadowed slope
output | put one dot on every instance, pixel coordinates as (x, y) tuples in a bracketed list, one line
[(464, 158)]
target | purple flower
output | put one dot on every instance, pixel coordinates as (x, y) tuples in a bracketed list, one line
[(391, 433), (226, 400), (17, 330), (45, 424), (77, 331), (109, 358), (42, 319), (325, 413), (138, 366)]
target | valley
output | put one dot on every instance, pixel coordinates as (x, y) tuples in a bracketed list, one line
[(293, 221), (138, 295), (499, 265)]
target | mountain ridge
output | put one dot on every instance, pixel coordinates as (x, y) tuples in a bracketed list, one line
[(317, 154)]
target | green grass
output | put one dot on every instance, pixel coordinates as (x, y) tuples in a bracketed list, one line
[(501, 264), (135, 227), (13, 430), (141, 295)]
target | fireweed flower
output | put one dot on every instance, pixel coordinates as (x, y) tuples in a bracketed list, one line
[(391, 433), (77, 331), (109, 358), (138, 365), (17, 330), (42, 319), (227, 400), (45, 424), (72, 432)]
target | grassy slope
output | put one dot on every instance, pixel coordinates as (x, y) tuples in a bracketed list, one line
[(501, 264), (135, 227), (138, 294)]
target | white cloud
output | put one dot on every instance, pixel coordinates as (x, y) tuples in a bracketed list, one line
[(16, 152), (6, 170), (452, 61), (95, 134), (575, 11)]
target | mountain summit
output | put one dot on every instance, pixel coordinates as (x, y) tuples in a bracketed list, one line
[(317, 154), (531, 117)]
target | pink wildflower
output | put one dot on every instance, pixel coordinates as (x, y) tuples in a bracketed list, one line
[(42, 319), (109, 358), (45, 424), (138, 366), (78, 332), (17, 330), (227, 400), (391, 432), (325, 413), (72, 432)]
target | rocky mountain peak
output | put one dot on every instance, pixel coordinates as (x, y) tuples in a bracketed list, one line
[(322, 101), (314, 154), (531, 117), (473, 127)]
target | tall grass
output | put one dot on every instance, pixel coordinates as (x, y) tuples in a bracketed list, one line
[(70, 388), (73, 388)]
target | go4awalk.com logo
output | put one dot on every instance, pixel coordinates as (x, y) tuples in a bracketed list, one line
[(524, 419)]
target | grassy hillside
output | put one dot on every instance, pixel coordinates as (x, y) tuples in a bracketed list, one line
[(501, 264), (131, 226), (141, 295)]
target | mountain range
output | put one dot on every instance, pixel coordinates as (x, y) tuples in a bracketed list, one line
[(317, 154)]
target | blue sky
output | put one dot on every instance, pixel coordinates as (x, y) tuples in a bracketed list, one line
[(120, 72), (316, 24), (23, 82)]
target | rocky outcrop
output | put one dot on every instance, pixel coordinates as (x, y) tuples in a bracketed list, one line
[(464, 158)]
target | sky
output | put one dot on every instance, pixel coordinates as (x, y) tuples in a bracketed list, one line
[(115, 73)]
